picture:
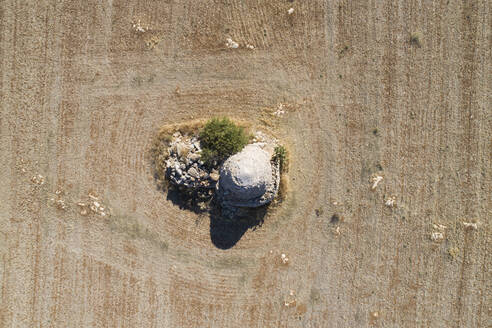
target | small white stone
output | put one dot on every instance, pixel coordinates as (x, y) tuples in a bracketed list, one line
[(470, 225), (290, 11), (390, 202), (284, 258), (439, 227), (375, 181), (231, 44), (38, 179), (437, 236)]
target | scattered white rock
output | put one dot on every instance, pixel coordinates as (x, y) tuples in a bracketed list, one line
[(290, 300), (439, 232), (38, 179), (439, 227), (231, 44), (93, 205), (437, 236), (250, 46), (375, 181), (280, 110), (152, 41), (84, 207), (284, 258), (137, 26), (58, 203), (290, 11), (470, 225), (390, 201)]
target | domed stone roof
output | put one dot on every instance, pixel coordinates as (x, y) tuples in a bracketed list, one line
[(247, 178)]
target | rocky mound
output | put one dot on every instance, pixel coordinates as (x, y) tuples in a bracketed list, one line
[(247, 179), (184, 167)]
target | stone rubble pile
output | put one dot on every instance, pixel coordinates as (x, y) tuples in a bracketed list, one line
[(93, 205), (184, 165)]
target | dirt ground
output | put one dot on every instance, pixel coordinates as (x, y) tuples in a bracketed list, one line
[(85, 85)]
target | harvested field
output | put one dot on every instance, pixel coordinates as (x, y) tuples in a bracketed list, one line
[(355, 89)]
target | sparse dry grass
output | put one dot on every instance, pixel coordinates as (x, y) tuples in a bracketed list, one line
[(284, 187), (453, 252), (159, 149), (135, 230), (281, 155)]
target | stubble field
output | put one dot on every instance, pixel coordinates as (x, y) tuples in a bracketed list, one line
[(86, 85)]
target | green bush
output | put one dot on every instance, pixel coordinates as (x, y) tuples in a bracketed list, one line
[(280, 156), (221, 138)]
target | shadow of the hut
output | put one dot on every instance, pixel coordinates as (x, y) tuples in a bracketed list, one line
[(227, 230)]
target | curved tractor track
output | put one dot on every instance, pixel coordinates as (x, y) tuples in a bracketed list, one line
[(397, 89)]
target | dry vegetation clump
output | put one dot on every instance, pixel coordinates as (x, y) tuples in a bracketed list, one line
[(416, 38), (281, 156), (159, 154), (453, 252), (283, 189)]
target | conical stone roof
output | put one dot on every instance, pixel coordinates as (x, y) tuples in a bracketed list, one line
[(247, 178)]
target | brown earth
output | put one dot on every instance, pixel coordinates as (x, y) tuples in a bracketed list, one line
[(83, 92)]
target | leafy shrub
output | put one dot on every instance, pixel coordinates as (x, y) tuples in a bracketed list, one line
[(280, 156), (221, 138)]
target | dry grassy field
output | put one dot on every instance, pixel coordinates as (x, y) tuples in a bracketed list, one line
[(397, 89)]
